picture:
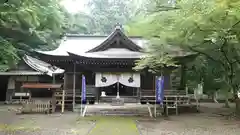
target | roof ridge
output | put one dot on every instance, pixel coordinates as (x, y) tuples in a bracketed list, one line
[(89, 35)]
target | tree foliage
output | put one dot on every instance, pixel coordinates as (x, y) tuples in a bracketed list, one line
[(80, 23), (207, 27), (107, 13), (27, 25)]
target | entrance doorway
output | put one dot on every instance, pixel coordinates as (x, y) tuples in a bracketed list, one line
[(123, 90), (126, 91), (3, 87), (109, 90)]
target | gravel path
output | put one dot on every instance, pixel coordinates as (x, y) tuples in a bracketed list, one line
[(190, 125)]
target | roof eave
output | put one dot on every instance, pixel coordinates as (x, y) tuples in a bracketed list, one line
[(107, 58)]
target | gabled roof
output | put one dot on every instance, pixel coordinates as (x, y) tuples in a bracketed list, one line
[(84, 44), (115, 46), (117, 39)]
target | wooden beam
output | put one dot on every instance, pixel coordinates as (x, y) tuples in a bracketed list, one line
[(65, 81)]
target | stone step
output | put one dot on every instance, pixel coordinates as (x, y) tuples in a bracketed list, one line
[(107, 114), (119, 112), (126, 100)]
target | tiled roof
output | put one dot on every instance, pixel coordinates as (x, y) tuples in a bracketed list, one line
[(105, 46), (80, 44)]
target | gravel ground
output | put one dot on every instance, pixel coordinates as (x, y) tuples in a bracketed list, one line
[(41, 124), (205, 123)]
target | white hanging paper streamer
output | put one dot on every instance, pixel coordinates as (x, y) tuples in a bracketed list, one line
[(105, 79), (127, 79), (130, 79)]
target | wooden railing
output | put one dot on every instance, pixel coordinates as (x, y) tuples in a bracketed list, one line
[(172, 98), (20, 97), (166, 92)]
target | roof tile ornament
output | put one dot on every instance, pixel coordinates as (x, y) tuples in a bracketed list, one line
[(118, 26)]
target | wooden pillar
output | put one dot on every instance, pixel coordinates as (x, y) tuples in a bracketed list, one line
[(54, 79), (183, 77), (53, 101), (65, 81), (155, 105), (166, 106), (53, 95), (63, 93), (63, 101), (74, 85)]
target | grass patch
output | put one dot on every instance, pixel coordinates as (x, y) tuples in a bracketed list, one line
[(22, 125), (14, 128), (106, 125)]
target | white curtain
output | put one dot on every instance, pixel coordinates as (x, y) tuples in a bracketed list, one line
[(127, 79), (130, 79), (105, 79)]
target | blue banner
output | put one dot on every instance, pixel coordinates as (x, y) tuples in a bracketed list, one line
[(83, 89), (159, 90)]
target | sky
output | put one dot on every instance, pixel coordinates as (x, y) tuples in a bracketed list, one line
[(74, 6)]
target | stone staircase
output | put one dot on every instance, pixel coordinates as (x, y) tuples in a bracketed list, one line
[(126, 110)]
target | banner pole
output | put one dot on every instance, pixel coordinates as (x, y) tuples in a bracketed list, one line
[(81, 98), (81, 104), (81, 108), (155, 106), (118, 95)]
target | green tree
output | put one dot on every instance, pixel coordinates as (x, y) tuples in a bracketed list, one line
[(207, 27), (26, 25), (74, 25), (107, 13)]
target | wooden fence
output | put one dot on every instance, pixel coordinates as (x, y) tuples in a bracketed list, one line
[(36, 106)]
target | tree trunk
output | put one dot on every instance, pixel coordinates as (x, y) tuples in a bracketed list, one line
[(215, 97), (237, 101), (226, 102)]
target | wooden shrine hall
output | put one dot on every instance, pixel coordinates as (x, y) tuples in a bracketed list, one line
[(107, 63)]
